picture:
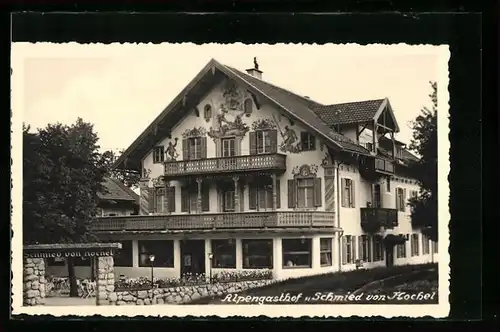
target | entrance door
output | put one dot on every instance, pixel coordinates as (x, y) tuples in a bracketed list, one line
[(389, 255), (192, 257)]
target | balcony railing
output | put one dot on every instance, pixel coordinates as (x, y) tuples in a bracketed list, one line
[(270, 219), (383, 165), (379, 217), (226, 165)]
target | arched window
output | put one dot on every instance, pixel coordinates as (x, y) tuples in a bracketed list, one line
[(207, 112), (248, 107)]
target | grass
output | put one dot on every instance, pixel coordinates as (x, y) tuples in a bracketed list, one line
[(339, 283)]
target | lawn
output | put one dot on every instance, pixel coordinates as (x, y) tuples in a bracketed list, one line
[(335, 287)]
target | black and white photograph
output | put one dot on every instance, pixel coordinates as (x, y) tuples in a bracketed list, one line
[(230, 179)]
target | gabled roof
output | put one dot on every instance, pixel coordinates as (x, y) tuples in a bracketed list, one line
[(117, 191), (313, 115), (352, 112)]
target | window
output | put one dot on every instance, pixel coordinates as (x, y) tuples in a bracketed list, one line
[(401, 250), (207, 112), (228, 203), (257, 254), (194, 148), (348, 249), (307, 141), (348, 193), (56, 261), (414, 245), (224, 252), (158, 154), (425, 245), (162, 249), (378, 252), (160, 199), (82, 261), (435, 247), (325, 247), (413, 193), (305, 193), (365, 248), (261, 194), (263, 138), (388, 185), (189, 198), (401, 199), (123, 257), (296, 253), (228, 147)]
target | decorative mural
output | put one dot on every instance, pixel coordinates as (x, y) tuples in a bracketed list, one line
[(263, 124), (158, 181), (145, 173), (171, 152), (305, 170), (327, 160), (195, 132), (290, 142), (232, 96)]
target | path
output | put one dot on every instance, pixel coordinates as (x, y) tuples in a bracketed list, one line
[(69, 301)]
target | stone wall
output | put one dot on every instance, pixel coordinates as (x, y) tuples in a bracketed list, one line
[(182, 294), (105, 284), (34, 281)]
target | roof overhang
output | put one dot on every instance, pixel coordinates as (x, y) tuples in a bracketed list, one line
[(386, 106)]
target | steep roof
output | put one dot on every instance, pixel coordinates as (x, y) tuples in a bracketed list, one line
[(117, 191), (352, 112), (313, 115)]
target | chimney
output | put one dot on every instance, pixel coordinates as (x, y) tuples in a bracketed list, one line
[(255, 72)]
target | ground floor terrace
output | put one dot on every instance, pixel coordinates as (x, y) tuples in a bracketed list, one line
[(268, 254)]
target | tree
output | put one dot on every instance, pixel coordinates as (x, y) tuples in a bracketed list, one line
[(62, 174), (424, 143), (129, 178)]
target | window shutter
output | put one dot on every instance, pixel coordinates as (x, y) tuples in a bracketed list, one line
[(344, 250), (203, 148), (205, 198), (151, 200), (317, 192), (292, 193), (342, 192), (274, 140), (353, 247), (278, 194), (237, 146), (397, 198), (218, 148), (360, 248), (252, 196), (353, 193), (404, 199), (253, 143), (171, 199), (184, 199), (185, 149), (242, 199)]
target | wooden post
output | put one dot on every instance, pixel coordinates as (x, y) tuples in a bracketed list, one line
[(236, 193), (199, 180), (275, 203), (393, 146), (375, 139)]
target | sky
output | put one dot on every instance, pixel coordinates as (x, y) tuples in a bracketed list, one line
[(121, 88)]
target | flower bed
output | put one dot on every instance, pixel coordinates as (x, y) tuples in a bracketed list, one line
[(143, 283)]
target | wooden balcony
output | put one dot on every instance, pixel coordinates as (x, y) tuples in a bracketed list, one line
[(384, 166), (378, 217), (263, 162), (213, 221)]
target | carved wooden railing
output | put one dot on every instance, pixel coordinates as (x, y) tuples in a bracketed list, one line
[(268, 219), (226, 164), (379, 217)]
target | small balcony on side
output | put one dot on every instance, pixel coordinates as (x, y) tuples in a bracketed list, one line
[(216, 221), (374, 218), (262, 162)]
